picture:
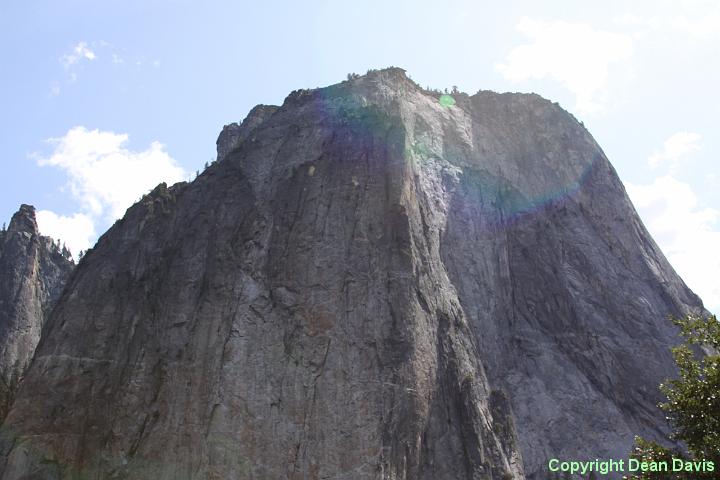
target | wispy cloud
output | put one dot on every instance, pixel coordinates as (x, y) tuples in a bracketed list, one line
[(676, 149), (104, 178), (712, 180), (576, 55), (79, 52), (71, 61), (705, 26), (55, 89), (687, 232), (101, 53), (700, 23)]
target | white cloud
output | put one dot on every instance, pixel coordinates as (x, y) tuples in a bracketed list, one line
[(699, 23), (676, 148), (686, 231), (576, 55), (79, 52), (104, 176), (77, 230), (704, 26)]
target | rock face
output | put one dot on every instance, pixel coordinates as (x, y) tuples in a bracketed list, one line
[(33, 273), (371, 283), (233, 135)]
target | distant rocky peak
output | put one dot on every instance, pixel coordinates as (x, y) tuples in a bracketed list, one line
[(24, 220), (33, 273)]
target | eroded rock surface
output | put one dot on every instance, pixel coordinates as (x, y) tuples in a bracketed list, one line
[(33, 272), (369, 284), (233, 135)]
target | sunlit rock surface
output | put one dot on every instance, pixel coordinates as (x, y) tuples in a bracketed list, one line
[(33, 272), (369, 284)]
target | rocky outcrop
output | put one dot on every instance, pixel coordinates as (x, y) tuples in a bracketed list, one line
[(233, 135), (33, 272), (370, 283)]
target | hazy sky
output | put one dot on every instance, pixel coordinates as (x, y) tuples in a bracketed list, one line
[(100, 101)]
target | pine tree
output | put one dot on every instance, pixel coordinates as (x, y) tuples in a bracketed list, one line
[(693, 405)]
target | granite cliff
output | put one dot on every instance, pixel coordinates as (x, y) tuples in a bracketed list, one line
[(373, 281), (33, 272)]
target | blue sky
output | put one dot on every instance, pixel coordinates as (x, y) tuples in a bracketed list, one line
[(99, 101)]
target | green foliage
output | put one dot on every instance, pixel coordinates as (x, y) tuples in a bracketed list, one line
[(646, 451), (700, 331), (693, 402), (693, 405)]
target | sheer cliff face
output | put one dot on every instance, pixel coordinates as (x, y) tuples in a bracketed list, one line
[(32, 275), (368, 284)]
